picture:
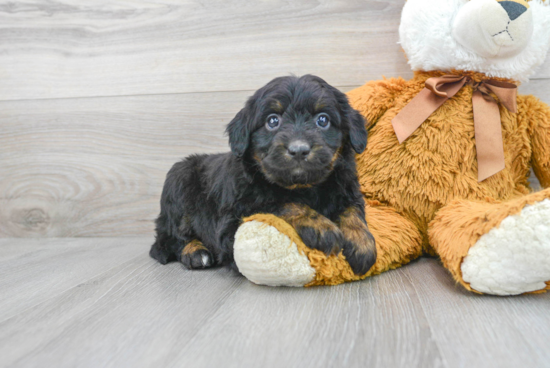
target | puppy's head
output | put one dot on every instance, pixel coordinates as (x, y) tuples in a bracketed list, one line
[(295, 129)]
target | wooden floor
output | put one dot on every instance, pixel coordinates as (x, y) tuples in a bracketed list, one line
[(102, 302)]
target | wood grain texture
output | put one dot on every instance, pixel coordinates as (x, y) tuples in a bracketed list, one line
[(35, 270), (89, 167), (478, 331), (537, 87), (142, 314), (74, 48), (375, 323), (137, 313)]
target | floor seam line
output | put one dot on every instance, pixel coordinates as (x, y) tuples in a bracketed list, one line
[(148, 94), (207, 320), (70, 288), (434, 338)]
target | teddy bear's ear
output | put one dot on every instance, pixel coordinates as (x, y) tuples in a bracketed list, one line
[(357, 130)]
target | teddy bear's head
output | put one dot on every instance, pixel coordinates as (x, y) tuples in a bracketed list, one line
[(506, 39)]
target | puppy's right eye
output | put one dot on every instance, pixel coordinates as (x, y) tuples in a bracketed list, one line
[(273, 121)]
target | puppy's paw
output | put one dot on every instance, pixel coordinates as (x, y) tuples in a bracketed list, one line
[(327, 239), (361, 255), (316, 231), (196, 256)]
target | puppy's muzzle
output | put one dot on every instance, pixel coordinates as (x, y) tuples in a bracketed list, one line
[(299, 150)]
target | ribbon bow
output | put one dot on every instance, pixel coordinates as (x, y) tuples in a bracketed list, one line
[(487, 124)]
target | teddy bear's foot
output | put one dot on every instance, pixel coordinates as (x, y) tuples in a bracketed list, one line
[(266, 256), (268, 250), (513, 258)]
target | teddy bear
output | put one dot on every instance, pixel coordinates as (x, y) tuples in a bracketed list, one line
[(449, 152)]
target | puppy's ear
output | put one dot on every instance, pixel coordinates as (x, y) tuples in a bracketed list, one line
[(238, 133), (357, 130), (356, 123)]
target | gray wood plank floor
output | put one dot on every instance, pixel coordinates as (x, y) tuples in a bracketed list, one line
[(102, 302)]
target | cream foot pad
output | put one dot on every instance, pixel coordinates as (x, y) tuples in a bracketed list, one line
[(513, 258)]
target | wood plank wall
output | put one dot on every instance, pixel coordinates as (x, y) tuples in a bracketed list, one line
[(98, 98)]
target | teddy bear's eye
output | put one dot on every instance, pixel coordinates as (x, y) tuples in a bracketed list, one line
[(323, 121), (273, 121)]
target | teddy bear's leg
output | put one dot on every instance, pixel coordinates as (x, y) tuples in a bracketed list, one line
[(268, 251), (496, 248)]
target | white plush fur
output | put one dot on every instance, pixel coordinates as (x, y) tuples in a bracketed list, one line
[(484, 27), (267, 257), (426, 36), (513, 258)]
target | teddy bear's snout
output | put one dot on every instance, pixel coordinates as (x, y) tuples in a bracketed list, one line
[(494, 29)]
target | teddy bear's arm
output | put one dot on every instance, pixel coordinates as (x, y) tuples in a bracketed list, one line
[(374, 98), (537, 114)]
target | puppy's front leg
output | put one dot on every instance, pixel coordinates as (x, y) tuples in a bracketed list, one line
[(316, 231), (359, 247)]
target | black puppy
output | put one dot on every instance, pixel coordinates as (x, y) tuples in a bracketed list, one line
[(293, 155)]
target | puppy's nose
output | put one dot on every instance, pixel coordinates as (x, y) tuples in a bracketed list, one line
[(299, 149), (513, 9)]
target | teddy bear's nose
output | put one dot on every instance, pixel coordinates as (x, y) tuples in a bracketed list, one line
[(513, 9)]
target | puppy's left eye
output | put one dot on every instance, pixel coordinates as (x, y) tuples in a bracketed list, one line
[(273, 121), (323, 121)]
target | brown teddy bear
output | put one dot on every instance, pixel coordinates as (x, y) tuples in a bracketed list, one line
[(448, 158)]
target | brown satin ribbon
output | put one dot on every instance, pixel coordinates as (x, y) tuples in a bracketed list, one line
[(487, 124)]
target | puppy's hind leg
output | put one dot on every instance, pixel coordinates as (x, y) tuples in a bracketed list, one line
[(192, 254), (179, 243), (167, 244), (163, 249)]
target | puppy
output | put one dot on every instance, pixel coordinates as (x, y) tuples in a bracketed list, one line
[(293, 155)]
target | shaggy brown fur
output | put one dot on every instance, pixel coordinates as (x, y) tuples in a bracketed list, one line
[(437, 164), (460, 224), (387, 226)]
